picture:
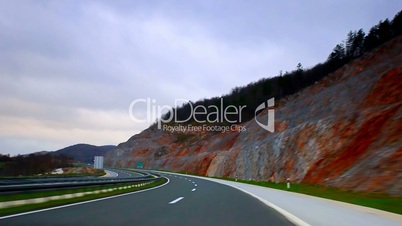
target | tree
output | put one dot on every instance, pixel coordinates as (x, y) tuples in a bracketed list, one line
[(396, 24), (372, 39), (338, 53), (349, 44), (384, 31), (355, 43), (358, 43)]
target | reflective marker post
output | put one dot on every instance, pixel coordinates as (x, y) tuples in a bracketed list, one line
[(288, 182)]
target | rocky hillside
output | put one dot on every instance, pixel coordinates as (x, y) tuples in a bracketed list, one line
[(344, 131)]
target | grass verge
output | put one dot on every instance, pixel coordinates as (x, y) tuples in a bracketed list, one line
[(30, 207), (374, 200)]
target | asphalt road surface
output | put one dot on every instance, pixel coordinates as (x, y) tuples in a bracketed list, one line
[(123, 173), (183, 201)]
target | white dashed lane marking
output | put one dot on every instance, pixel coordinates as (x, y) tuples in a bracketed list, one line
[(176, 200)]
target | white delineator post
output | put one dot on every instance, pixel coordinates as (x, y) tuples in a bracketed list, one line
[(288, 182)]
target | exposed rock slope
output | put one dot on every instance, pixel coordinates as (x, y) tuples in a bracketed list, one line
[(344, 131)]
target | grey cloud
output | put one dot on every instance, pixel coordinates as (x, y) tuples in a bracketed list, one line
[(68, 66)]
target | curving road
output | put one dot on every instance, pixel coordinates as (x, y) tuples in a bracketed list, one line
[(121, 173), (183, 201)]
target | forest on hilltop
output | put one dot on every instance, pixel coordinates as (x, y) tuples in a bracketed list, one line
[(32, 164), (252, 95)]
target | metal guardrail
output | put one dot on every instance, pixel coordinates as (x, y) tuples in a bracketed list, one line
[(22, 185)]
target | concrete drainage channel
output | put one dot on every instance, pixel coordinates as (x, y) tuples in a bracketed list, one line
[(14, 203)]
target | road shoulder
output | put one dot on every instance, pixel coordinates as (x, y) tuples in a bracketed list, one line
[(309, 210)]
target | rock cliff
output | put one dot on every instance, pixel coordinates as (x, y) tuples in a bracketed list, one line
[(344, 131)]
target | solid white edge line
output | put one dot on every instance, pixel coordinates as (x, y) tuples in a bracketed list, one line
[(109, 175), (285, 213), (84, 202)]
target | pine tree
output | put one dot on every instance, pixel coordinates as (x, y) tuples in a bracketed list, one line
[(338, 53)]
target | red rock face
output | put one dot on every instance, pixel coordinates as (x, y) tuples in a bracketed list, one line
[(345, 131), (346, 158), (387, 90)]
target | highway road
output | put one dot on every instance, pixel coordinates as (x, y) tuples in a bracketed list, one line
[(183, 201), (114, 173), (18, 185), (123, 173)]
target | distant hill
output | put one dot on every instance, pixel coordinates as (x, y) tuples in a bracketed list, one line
[(84, 152)]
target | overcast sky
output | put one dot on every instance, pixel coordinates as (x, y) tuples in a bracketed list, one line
[(70, 69)]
